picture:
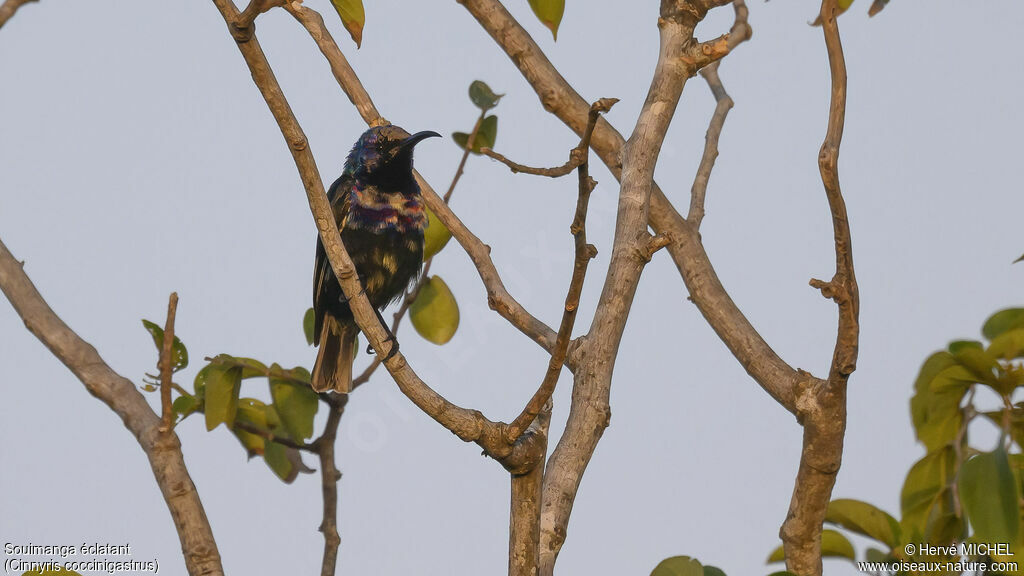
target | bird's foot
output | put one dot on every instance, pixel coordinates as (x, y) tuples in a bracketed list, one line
[(391, 351)]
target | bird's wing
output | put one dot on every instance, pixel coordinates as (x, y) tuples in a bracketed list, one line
[(339, 196)]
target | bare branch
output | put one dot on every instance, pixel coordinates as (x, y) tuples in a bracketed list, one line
[(823, 407), (772, 373), (527, 492), (330, 476), (166, 365), (583, 254), (590, 411), (575, 159), (256, 7), (707, 162), (163, 449), (9, 7)]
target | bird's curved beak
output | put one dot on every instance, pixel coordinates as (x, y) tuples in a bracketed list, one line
[(415, 139)]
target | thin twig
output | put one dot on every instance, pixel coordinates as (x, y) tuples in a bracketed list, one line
[(9, 7), (575, 159), (707, 162), (583, 254), (329, 476), (465, 155), (271, 437), (244, 23), (163, 450), (166, 365)]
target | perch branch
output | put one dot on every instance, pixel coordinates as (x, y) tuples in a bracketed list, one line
[(469, 425), (823, 406), (166, 365), (498, 297), (120, 394), (9, 7)]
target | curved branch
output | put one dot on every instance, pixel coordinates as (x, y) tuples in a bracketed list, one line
[(9, 7), (823, 407), (163, 449)]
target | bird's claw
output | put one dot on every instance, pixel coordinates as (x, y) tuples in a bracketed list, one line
[(391, 352)]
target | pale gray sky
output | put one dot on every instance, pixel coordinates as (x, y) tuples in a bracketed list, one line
[(137, 158)]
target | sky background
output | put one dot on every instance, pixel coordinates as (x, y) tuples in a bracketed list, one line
[(137, 158)]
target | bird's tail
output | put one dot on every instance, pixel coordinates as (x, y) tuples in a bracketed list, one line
[(333, 367)]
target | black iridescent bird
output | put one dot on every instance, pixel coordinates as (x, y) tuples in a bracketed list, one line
[(378, 208)]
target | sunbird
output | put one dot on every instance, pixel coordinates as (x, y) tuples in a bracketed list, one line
[(378, 209)]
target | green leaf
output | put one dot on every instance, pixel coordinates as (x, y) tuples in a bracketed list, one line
[(41, 572), (485, 136), (353, 17), (253, 412), (549, 12), (989, 495), (222, 387), (435, 237), (308, 325), (276, 457), (1008, 345), (876, 555), (980, 363), (833, 545), (184, 405), (926, 501), (435, 313), (1021, 259), (482, 96), (935, 406), (1002, 321), (296, 406), (864, 518), (958, 345), (713, 571), (678, 566), (179, 355)]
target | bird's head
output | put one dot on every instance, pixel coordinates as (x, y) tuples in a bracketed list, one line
[(383, 156)]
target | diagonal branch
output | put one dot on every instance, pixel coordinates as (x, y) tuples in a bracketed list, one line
[(469, 425), (9, 7), (498, 297), (771, 372), (163, 449)]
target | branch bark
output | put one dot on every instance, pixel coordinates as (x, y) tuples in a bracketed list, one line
[(558, 97), (724, 103), (9, 7), (679, 58), (823, 405), (120, 394), (329, 477)]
